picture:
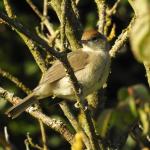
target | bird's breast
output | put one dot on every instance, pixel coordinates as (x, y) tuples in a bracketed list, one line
[(96, 72), (92, 77)]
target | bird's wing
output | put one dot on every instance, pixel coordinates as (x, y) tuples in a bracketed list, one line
[(78, 60)]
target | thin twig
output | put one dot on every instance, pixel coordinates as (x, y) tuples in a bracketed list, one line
[(101, 6), (31, 45), (36, 55), (75, 9), (109, 13), (112, 11), (54, 36), (43, 134), (147, 68), (6, 135), (30, 142), (63, 24), (45, 21), (9, 9), (73, 26), (51, 40), (112, 33), (18, 26), (43, 18), (15, 80), (41, 35), (27, 91), (74, 122), (54, 124), (45, 4), (122, 38), (26, 144)]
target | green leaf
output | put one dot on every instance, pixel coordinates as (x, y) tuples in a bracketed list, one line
[(132, 106), (144, 118), (140, 32), (139, 91), (122, 94)]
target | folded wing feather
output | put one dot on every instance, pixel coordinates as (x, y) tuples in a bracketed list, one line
[(78, 60)]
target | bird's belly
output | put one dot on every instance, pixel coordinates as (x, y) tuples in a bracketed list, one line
[(98, 77), (63, 89), (89, 81)]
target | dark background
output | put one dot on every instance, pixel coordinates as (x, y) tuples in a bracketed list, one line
[(16, 59)]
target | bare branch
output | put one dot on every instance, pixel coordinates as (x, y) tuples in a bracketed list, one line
[(74, 122), (30, 142), (101, 6), (43, 134), (122, 38), (15, 80), (73, 26), (7, 137), (31, 45), (112, 11), (34, 52), (45, 11), (9, 9), (147, 68), (43, 18), (75, 9), (55, 124), (63, 24)]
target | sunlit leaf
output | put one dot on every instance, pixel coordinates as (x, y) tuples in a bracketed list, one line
[(139, 91), (132, 106), (144, 119), (78, 143), (140, 32)]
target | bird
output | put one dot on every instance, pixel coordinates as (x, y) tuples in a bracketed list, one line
[(91, 66)]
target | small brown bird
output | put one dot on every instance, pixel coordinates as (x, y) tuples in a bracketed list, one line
[(91, 67)]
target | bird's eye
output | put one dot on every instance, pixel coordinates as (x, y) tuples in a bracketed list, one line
[(94, 38)]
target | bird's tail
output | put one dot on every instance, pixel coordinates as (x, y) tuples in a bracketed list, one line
[(16, 110)]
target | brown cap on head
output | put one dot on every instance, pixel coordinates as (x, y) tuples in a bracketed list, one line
[(89, 34)]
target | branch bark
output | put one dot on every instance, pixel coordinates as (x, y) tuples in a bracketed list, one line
[(73, 26), (54, 124)]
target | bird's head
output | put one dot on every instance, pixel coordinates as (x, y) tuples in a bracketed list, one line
[(94, 40)]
